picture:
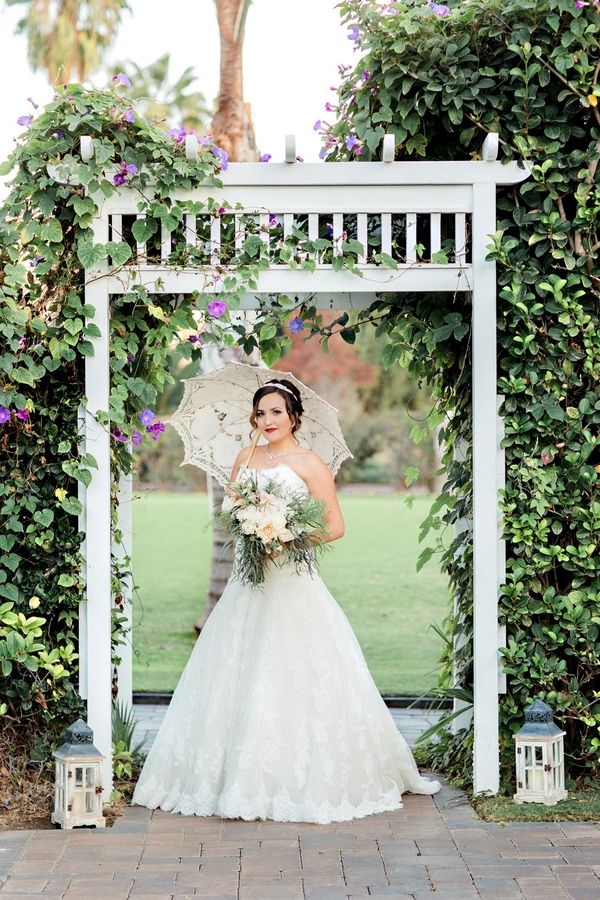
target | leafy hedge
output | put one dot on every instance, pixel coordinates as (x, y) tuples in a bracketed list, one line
[(439, 78), (46, 244)]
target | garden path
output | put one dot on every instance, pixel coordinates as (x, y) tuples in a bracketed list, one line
[(432, 848)]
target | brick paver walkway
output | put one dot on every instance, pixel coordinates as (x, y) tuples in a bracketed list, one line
[(432, 848)]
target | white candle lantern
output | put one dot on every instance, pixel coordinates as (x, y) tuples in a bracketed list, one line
[(78, 785), (540, 760)]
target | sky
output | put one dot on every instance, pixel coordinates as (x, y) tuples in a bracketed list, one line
[(292, 50)]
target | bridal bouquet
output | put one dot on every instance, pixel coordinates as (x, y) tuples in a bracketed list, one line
[(270, 525)]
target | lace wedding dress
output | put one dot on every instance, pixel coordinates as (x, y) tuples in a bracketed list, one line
[(276, 715)]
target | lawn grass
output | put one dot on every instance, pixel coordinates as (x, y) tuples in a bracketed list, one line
[(583, 806), (371, 573)]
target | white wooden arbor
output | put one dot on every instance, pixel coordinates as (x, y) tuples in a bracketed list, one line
[(426, 195)]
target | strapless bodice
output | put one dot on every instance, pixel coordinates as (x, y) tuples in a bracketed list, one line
[(283, 474)]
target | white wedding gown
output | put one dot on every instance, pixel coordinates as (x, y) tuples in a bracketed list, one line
[(276, 715)]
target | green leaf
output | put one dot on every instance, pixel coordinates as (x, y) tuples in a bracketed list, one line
[(72, 505), (411, 475), (67, 580), (52, 231), (10, 591), (45, 517), (143, 229), (91, 255), (119, 252)]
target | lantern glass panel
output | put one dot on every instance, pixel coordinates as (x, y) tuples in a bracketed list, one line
[(527, 755), (78, 776), (539, 755)]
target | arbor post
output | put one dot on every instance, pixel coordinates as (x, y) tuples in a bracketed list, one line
[(123, 551), (486, 756), (97, 646)]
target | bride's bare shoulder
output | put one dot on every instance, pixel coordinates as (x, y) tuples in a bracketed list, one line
[(311, 463)]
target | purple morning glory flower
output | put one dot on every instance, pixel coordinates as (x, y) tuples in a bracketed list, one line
[(217, 308), (129, 115), (121, 79), (579, 4), (323, 153), (4, 414), (438, 9), (204, 139), (22, 415), (118, 436), (125, 170), (155, 430), (352, 141), (22, 342), (365, 75), (195, 339), (329, 229), (59, 133), (178, 134), (147, 416), (24, 120), (131, 358), (354, 33), (318, 125), (36, 260), (221, 155), (329, 107), (137, 437), (296, 325), (265, 157)]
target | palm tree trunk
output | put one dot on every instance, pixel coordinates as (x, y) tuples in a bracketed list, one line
[(232, 127), (232, 130)]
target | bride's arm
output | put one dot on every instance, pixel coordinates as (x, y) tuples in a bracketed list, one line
[(322, 486)]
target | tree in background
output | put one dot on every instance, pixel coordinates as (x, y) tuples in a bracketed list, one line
[(67, 38), (379, 408), (232, 126), (159, 99)]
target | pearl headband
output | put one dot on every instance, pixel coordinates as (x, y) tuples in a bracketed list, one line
[(280, 387)]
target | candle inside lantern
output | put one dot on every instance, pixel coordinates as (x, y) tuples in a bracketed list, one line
[(538, 779)]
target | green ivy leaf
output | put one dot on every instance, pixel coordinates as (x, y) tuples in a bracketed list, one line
[(119, 252), (90, 255)]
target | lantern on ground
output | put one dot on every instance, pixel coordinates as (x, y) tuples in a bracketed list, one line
[(540, 761), (78, 786)]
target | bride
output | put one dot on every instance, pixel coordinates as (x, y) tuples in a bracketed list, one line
[(276, 715)]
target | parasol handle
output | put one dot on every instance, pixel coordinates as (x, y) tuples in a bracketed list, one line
[(255, 440)]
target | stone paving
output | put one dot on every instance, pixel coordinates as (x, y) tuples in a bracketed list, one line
[(410, 722), (432, 848)]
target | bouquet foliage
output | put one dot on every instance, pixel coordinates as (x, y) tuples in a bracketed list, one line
[(270, 525)]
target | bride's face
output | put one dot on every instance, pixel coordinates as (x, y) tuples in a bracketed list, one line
[(272, 418)]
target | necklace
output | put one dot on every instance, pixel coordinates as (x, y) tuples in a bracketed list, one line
[(272, 456)]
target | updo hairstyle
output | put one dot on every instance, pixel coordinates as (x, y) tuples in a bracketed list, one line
[(293, 402)]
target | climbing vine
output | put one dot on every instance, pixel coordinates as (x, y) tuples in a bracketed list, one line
[(440, 77), (46, 244)]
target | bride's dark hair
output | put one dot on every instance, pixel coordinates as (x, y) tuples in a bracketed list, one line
[(293, 401)]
